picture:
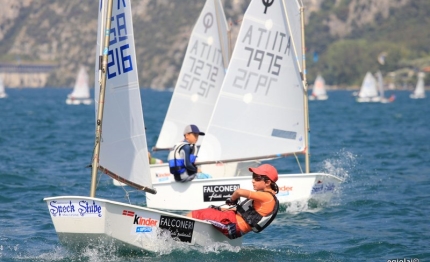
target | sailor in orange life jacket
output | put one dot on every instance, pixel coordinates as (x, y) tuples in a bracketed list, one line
[(255, 213)]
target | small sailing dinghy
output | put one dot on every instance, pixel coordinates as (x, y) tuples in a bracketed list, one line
[(196, 91), (261, 113), (318, 90), (2, 89), (381, 89), (368, 91), (121, 152), (81, 90), (419, 91)]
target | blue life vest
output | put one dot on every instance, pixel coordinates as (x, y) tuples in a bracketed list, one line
[(176, 161)]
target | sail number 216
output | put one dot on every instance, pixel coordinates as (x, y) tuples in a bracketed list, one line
[(119, 59)]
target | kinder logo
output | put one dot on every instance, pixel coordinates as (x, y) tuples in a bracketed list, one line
[(144, 221), (285, 190)]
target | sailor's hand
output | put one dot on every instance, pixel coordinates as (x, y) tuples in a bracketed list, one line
[(230, 202), (215, 207)]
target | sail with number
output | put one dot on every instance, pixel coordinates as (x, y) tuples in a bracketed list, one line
[(260, 109), (200, 78), (123, 149)]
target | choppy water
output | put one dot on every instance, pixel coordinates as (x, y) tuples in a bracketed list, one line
[(381, 212)]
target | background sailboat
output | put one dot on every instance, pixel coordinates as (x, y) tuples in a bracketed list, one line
[(81, 90), (381, 89), (368, 91), (318, 90), (419, 91), (122, 154), (2, 89), (258, 114)]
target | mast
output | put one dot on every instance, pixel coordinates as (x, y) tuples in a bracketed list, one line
[(305, 93), (102, 82)]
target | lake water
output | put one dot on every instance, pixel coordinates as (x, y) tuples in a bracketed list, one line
[(380, 213)]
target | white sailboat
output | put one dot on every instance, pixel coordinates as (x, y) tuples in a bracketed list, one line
[(2, 89), (419, 91), (261, 113), (368, 91), (81, 90), (318, 90), (381, 89), (122, 154), (199, 83)]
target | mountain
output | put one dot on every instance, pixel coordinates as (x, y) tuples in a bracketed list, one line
[(64, 33)]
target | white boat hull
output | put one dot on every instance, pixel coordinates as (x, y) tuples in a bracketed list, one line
[(320, 97), (374, 99), (79, 101), (200, 193), (414, 96), (80, 221)]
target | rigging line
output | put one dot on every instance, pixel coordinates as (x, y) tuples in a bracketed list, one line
[(298, 163)]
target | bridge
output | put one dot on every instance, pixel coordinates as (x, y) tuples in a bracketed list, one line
[(25, 74)]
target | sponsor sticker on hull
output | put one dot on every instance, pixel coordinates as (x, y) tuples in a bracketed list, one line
[(75, 208), (141, 224), (180, 228), (214, 193), (285, 190), (321, 188)]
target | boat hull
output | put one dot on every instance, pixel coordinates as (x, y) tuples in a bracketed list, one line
[(319, 97), (81, 221), (415, 96), (375, 99), (200, 193), (77, 101)]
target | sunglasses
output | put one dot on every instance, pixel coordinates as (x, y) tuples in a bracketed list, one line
[(258, 178)]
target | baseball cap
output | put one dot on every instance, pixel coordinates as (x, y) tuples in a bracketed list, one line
[(193, 129), (266, 170)]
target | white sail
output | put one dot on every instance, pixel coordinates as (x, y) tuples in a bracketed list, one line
[(260, 108), (318, 90), (380, 84), (2, 89), (419, 91), (293, 17), (81, 88), (200, 78), (368, 91), (123, 149)]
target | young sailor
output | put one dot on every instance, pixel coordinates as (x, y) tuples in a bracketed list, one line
[(183, 156), (255, 213)]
